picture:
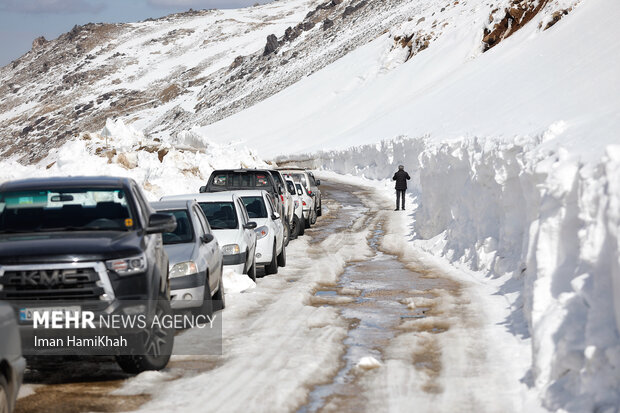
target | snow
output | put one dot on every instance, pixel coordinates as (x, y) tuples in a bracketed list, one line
[(121, 150), (236, 283), (368, 363), (531, 81)]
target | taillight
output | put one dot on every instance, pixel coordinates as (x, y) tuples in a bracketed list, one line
[(304, 203), (282, 198), (309, 192)]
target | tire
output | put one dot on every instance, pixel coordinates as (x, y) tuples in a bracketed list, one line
[(206, 308), (282, 258), (4, 395), (219, 302), (307, 222), (252, 271), (152, 354), (302, 226), (319, 211), (295, 227), (272, 267), (313, 218)]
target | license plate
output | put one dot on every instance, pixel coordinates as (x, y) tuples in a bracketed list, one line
[(27, 314)]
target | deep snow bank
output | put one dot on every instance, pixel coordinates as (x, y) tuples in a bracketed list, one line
[(545, 222), (179, 165)]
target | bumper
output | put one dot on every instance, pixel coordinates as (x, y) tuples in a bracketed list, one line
[(234, 259), (187, 291), (264, 251)]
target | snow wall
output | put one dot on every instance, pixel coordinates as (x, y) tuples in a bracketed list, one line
[(542, 219)]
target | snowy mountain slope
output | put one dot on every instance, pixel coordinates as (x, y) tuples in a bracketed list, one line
[(168, 75), (99, 71), (536, 78)]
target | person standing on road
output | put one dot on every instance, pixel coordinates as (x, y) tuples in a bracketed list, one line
[(401, 178)]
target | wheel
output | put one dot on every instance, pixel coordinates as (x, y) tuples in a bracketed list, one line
[(153, 344), (206, 308), (319, 211), (252, 271), (307, 222), (313, 217), (272, 267), (4, 395), (295, 227), (302, 226), (287, 233), (219, 303), (282, 257)]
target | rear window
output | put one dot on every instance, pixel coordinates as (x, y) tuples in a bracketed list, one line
[(221, 215), (183, 233), (242, 180), (255, 205)]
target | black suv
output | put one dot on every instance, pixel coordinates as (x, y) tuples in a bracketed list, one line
[(91, 243), (241, 179)]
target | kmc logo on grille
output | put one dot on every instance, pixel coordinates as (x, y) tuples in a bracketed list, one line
[(48, 278)]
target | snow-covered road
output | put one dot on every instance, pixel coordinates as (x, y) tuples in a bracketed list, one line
[(358, 320)]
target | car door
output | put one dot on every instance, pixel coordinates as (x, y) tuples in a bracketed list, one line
[(206, 252), (277, 223), (248, 235)]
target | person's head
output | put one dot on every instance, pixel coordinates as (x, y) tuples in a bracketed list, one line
[(401, 167)]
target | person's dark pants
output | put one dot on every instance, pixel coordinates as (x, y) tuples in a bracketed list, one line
[(400, 193)]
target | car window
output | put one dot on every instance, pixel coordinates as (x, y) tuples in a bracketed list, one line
[(202, 221), (74, 209), (221, 215), (291, 187), (300, 191), (255, 205), (262, 180), (183, 232), (241, 180), (220, 180)]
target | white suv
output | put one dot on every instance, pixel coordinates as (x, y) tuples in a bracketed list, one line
[(231, 226), (270, 248)]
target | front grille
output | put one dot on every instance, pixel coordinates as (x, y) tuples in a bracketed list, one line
[(67, 284)]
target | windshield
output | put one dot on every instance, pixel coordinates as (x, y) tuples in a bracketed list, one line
[(183, 233), (255, 205), (221, 215), (73, 209), (301, 178)]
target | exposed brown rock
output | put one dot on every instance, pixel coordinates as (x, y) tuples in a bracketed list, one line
[(517, 16), (38, 42)]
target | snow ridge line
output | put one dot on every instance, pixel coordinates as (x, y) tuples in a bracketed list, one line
[(537, 221)]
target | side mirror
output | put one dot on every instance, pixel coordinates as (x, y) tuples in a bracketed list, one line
[(250, 225), (318, 182), (299, 192), (207, 238), (203, 189), (159, 223), (275, 216)]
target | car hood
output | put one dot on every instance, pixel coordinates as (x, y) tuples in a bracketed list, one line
[(227, 236), (178, 253), (61, 247)]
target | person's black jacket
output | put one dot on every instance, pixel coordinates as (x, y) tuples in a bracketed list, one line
[(401, 178)]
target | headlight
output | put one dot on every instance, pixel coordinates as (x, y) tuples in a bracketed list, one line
[(128, 266), (261, 232), (230, 249), (183, 268)]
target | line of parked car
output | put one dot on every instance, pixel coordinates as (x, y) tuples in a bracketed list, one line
[(96, 243)]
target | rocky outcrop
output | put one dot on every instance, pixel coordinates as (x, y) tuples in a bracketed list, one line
[(272, 45), (38, 42), (512, 19)]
